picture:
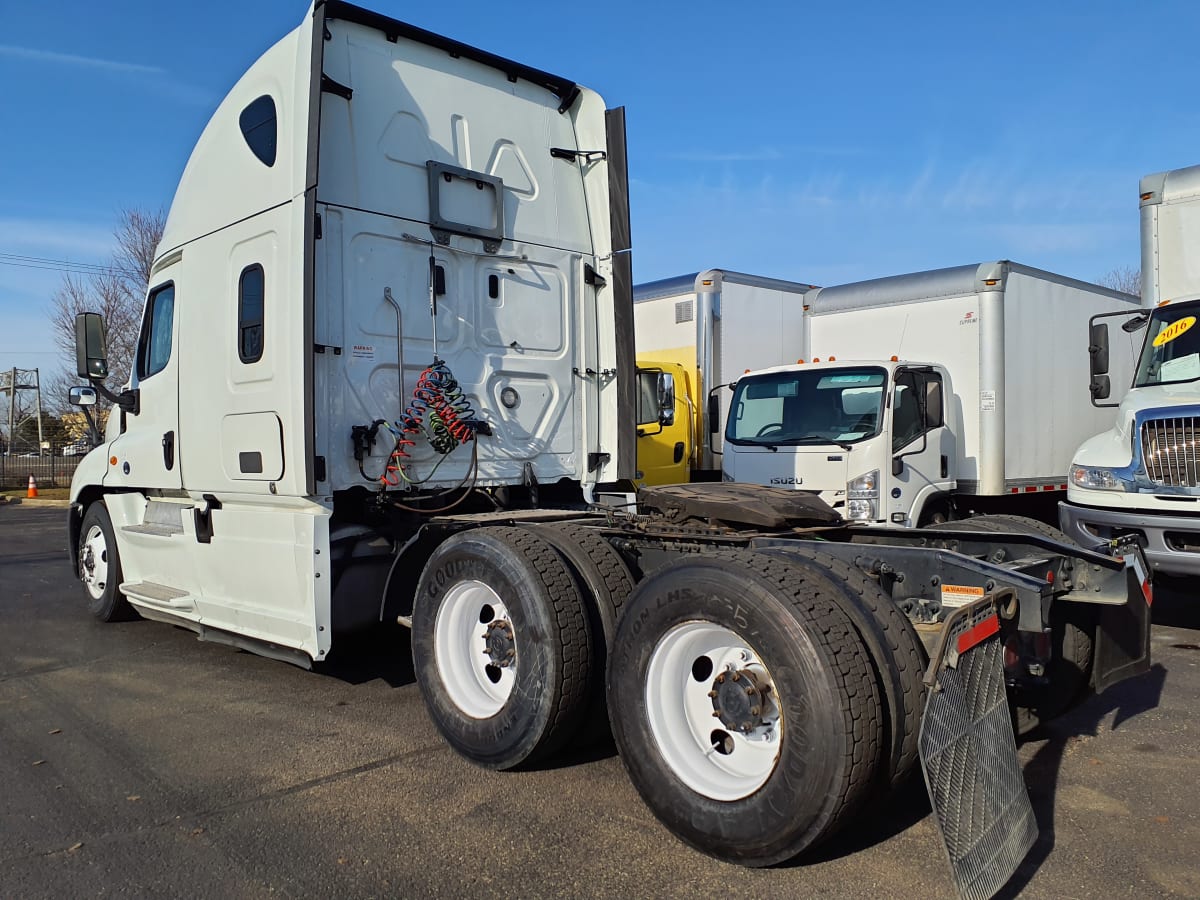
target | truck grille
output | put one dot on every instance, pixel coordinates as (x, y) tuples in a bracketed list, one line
[(1170, 451)]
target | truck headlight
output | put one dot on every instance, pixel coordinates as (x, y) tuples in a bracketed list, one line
[(861, 494), (1094, 478), (860, 510)]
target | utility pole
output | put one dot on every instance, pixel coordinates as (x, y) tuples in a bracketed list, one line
[(11, 382)]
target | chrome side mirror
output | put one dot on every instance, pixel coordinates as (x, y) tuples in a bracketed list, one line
[(83, 396)]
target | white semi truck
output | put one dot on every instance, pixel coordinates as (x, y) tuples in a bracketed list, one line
[(385, 367), (1142, 475), (922, 398)]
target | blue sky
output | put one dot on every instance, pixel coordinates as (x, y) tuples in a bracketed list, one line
[(818, 142)]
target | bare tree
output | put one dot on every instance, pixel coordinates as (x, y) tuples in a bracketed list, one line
[(1124, 278), (117, 293)]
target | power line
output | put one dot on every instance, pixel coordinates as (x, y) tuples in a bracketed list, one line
[(63, 265)]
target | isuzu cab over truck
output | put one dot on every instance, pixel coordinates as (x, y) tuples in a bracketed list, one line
[(1142, 476), (385, 367), (921, 398)]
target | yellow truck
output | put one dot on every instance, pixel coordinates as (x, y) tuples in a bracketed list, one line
[(694, 334)]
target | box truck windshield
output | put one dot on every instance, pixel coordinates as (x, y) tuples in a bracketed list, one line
[(807, 407), (1171, 353)]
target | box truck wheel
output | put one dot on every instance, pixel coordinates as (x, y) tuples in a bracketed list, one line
[(501, 647), (1072, 626), (744, 706), (897, 656), (100, 566), (605, 582)]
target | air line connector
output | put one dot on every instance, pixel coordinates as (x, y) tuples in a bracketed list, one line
[(364, 437)]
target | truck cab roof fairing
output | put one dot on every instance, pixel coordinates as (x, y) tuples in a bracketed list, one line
[(566, 90), (224, 181)]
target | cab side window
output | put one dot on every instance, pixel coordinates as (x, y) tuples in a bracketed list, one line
[(154, 343), (251, 291), (909, 420)]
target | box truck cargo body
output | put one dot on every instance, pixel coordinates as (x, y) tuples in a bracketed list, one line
[(1142, 476), (995, 351), (706, 330), (385, 366)]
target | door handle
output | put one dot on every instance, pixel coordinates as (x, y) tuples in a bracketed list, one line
[(168, 445)]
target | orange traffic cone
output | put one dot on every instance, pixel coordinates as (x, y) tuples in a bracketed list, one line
[(32, 492)]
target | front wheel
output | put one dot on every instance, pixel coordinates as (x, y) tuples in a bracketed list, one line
[(744, 706), (100, 567)]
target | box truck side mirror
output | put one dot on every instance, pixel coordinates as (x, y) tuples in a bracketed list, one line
[(666, 399), (1098, 350), (91, 355)]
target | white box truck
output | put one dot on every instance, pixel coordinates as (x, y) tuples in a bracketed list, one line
[(703, 331), (1142, 475), (928, 396), (386, 359)]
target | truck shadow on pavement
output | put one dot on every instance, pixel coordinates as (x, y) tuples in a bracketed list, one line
[(380, 653), (1063, 736)]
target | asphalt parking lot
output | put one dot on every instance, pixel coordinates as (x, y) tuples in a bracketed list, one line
[(136, 761)]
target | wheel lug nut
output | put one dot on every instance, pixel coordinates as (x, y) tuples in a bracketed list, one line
[(737, 676), (754, 710), (716, 714), (712, 694)]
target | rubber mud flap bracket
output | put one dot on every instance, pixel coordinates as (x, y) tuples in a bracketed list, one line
[(969, 754)]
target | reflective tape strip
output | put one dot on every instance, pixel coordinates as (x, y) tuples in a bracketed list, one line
[(979, 633)]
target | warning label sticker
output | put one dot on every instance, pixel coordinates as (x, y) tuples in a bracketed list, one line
[(958, 594), (362, 351)]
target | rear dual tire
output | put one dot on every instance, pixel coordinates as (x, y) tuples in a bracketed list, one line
[(757, 769), (501, 646)]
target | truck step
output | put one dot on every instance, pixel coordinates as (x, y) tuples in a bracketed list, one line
[(162, 517), (162, 530), (158, 595)]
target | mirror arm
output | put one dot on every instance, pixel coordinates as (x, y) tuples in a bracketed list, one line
[(129, 401)]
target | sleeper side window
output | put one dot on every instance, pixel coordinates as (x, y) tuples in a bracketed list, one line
[(154, 344), (260, 129), (251, 289)]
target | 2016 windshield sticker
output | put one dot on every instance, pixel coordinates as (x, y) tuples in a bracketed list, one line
[(1174, 330)]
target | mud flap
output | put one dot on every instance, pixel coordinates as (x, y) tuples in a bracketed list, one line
[(969, 753), (1123, 638)]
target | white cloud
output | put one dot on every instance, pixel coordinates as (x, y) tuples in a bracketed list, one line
[(70, 59), (161, 83)]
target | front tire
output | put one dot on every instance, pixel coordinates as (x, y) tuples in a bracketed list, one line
[(100, 567), (744, 706), (501, 646)]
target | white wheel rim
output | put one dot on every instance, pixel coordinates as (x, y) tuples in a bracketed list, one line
[(93, 562), (681, 712), (474, 683)]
